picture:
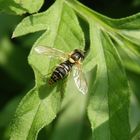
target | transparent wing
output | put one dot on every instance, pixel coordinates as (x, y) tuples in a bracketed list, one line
[(51, 52), (80, 80)]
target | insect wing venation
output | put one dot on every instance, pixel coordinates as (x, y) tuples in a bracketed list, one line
[(51, 52), (80, 80)]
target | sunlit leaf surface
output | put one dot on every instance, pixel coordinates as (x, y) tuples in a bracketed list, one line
[(114, 47), (19, 7)]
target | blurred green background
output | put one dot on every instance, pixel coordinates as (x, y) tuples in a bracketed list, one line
[(16, 76)]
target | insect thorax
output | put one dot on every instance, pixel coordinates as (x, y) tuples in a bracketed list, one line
[(77, 55)]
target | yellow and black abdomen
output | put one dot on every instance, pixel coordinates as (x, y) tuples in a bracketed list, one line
[(61, 71)]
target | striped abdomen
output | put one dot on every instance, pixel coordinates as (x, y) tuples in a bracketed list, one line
[(61, 71)]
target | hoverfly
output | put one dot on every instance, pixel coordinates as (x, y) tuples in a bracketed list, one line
[(70, 60)]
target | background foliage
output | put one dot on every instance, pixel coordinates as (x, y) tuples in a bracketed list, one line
[(17, 77)]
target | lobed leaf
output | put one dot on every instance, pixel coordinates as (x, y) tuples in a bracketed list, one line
[(40, 106), (114, 43), (19, 7), (34, 23)]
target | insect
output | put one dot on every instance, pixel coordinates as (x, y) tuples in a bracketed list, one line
[(70, 60)]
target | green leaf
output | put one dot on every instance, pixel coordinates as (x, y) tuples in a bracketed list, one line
[(134, 81), (8, 113), (33, 23), (109, 103), (114, 46), (134, 102), (40, 106), (130, 55), (33, 113), (62, 19), (73, 109), (125, 29), (19, 7), (136, 133)]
